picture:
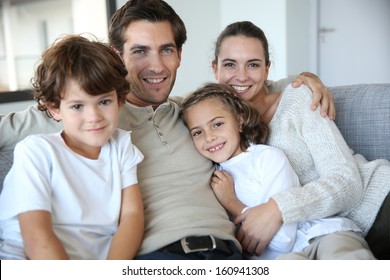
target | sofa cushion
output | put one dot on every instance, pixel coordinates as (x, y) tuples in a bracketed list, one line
[(6, 159), (363, 117)]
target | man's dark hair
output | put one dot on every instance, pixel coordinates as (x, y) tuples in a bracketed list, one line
[(150, 10)]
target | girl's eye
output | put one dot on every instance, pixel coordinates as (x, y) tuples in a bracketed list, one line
[(196, 133), (218, 124)]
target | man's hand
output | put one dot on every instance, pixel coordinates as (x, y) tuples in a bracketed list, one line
[(320, 93)]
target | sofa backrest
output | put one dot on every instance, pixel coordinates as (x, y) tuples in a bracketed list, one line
[(6, 158), (363, 117)]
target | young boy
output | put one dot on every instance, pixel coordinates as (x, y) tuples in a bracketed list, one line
[(74, 194)]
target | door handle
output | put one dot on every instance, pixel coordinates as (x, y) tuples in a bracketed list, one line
[(326, 29)]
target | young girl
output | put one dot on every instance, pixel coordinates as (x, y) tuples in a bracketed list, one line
[(74, 194), (228, 131)]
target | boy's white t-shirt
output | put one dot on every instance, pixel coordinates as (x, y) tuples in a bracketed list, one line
[(82, 195)]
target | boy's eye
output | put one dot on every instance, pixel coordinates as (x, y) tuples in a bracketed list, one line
[(77, 106), (105, 101)]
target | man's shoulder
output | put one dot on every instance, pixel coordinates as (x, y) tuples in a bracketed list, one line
[(176, 99)]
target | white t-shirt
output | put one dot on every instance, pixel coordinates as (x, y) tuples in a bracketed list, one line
[(263, 171), (82, 195)]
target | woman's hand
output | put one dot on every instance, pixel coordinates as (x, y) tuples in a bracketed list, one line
[(321, 94), (259, 225)]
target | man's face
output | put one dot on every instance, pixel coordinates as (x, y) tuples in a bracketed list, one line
[(152, 59)]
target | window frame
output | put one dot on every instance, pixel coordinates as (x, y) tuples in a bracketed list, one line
[(27, 94)]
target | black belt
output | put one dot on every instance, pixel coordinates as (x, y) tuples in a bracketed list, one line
[(192, 244)]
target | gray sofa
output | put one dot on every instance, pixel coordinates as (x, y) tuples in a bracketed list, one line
[(363, 117)]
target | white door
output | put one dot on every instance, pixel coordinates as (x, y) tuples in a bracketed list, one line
[(354, 41)]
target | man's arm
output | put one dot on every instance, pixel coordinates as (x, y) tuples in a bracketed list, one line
[(321, 94), (17, 125)]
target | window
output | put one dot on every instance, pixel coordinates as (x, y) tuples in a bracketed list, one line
[(28, 27)]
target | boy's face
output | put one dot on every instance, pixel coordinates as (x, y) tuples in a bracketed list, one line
[(89, 121), (214, 130)]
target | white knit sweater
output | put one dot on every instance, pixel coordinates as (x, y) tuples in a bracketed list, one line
[(333, 180)]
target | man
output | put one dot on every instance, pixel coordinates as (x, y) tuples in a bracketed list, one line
[(183, 219)]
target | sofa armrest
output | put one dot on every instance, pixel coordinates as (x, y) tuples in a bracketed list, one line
[(363, 117)]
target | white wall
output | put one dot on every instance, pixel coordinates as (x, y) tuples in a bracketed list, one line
[(60, 17), (90, 16), (204, 25), (301, 36)]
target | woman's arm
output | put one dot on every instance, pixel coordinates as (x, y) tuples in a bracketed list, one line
[(330, 178), (128, 238), (40, 241)]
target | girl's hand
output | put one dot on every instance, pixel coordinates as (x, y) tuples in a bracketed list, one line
[(223, 188)]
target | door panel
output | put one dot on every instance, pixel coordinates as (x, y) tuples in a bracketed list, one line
[(354, 41)]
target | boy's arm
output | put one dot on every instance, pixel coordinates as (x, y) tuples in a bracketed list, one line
[(128, 238), (321, 94), (16, 126), (40, 241)]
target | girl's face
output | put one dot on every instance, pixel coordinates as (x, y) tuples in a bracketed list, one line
[(241, 65), (89, 121), (214, 130)]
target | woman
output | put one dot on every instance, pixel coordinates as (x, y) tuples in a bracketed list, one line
[(333, 180)]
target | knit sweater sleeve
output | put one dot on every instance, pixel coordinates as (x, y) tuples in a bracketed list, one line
[(324, 163)]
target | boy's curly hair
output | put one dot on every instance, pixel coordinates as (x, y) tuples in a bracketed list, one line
[(94, 65)]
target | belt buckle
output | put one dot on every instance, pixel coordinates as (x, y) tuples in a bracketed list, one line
[(187, 249)]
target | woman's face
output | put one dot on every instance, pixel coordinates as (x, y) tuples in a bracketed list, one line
[(241, 65)]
